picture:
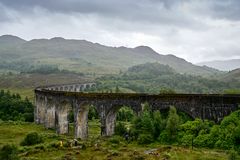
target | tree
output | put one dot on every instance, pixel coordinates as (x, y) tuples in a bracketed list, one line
[(172, 124), (158, 124)]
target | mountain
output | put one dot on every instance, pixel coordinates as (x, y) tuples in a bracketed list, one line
[(225, 65), (87, 57), (9, 39)]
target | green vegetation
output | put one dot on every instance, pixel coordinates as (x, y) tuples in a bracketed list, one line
[(95, 147), (157, 78), (9, 152), (150, 127), (85, 57), (146, 136), (12, 107), (32, 139), (125, 114)]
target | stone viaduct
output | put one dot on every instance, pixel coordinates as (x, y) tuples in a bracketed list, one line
[(53, 104)]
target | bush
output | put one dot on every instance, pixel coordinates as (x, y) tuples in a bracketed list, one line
[(145, 139), (186, 140), (9, 152), (120, 129), (202, 140), (163, 137), (32, 139)]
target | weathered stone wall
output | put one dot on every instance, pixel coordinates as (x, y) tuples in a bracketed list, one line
[(53, 106)]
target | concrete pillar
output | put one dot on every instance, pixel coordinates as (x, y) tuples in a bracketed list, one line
[(40, 109), (62, 123), (50, 114), (108, 123), (83, 87), (36, 109), (81, 121)]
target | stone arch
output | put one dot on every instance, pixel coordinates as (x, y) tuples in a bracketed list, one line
[(93, 85), (71, 88), (65, 88), (108, 114), (81, 88), (88, 86)]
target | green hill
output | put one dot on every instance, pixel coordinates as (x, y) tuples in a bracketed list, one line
[(231, 76), (157, 78)]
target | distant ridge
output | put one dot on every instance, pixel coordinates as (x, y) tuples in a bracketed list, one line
[(5, 39), (88, 57), (224, 65)]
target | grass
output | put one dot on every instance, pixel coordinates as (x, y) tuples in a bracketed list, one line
[(96, 147)]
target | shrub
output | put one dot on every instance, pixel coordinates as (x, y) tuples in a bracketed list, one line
[(145, 139), (9, 152), (32, 139), (187, 140), (163, 137), (120, 129), (202, 140)]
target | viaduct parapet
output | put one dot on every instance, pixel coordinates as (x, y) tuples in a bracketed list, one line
[(54, 103)]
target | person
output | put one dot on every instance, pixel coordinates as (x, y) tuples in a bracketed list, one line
[(126, 136), (61, 144)]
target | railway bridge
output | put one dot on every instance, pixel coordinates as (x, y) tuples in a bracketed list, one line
[(54, 103)]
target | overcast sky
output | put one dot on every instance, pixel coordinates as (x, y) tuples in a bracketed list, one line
[(196, 30)]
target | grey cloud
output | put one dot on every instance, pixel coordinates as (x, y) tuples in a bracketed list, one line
[(182, 27), (226, 9), (135, 9), (164, 12), (3, 14)]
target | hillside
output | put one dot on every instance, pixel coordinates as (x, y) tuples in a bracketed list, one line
[(231, 76), (226, 65), (88, 57), (155, 78)]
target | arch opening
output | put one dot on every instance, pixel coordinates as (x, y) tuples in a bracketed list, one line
[(117, 114)]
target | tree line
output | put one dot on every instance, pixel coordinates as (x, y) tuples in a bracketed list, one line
[(12, 107)]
